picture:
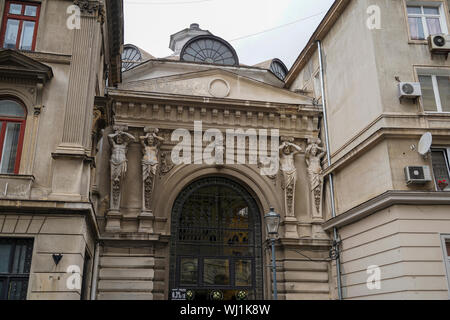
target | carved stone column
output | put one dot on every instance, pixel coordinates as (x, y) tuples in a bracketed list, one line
[(151, 143), (81, 90), (313, 157), (287, 166), (118, 141)]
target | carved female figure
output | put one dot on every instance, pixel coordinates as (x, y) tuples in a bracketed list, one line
[(150, 147), (119, 141), (313, 157), (288, 150)]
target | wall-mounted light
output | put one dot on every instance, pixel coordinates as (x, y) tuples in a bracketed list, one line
[(57, 258)]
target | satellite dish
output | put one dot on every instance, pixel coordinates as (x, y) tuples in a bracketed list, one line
[(425, 143)]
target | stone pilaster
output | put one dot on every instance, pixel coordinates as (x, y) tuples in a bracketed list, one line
[(70, 156)]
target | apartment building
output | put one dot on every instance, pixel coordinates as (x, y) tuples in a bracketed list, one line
[(56, 58), (390, 215)]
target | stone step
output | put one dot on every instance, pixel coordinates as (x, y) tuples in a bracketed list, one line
[(126, 262), (124, 296), (125, 285), (303, 276), (304, 296), (126, 274), (296, 265), (300, 287)]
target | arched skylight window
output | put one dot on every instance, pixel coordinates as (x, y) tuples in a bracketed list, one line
[(131, 56), (279, 69), (209, 49)]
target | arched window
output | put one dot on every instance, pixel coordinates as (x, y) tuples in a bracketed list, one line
[(279, 69), (209, 49), (12, 126), (131, 56)]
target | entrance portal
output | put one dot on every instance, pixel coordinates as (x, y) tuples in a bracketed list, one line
[(216, 242)]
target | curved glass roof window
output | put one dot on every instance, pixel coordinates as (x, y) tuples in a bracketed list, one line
[(209, 49), (279, 69), (131, 56)]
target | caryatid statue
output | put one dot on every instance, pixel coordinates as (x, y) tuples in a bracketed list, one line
[(151, 143), (313, 157), (287, 166), (119, 141)]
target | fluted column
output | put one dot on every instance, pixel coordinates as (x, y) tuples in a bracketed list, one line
[(71, 168), (81, 90)]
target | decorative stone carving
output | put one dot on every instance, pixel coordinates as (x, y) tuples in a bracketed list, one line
[(313, 157), (150, 147), (287, 166), (166, 162), (119, 141), (88, 7)]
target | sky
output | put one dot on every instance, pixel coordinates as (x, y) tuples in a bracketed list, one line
[(258, 30)]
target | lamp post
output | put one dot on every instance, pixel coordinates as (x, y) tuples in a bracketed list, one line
[(272, 220)]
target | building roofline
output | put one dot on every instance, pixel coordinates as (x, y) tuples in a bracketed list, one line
[(319, 34)]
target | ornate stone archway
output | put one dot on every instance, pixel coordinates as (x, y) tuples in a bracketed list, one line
[(216, 242)]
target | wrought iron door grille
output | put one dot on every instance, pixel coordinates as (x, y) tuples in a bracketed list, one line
[(216, 239)]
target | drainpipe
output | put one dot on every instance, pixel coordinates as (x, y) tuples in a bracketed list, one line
[(330, 175), (95, 271)]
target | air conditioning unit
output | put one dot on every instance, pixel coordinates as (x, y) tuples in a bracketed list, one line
[(439, 43), (409, 90), (417, 175)]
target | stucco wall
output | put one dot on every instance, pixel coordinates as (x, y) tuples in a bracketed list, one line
[(57, 234), (404, 241)]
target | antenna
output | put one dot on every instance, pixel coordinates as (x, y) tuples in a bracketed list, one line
[(425, 144)]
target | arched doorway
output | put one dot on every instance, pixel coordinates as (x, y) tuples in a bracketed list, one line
[(216, 242)]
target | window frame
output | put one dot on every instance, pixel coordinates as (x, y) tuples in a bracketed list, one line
[(443, 17), (434, 73), (447, 154), (444, 239), (22, 121), (7, 277), (22, 17)]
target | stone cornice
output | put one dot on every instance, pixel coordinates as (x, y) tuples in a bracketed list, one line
[(140, 96), (48, 57), (320, 33), (19, 207), (295, 121), (15, 65), (386, 200), (115, 34), (377, 132)]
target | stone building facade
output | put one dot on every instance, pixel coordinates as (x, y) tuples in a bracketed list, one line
[(402, 228), (124, 176), (54, 63)]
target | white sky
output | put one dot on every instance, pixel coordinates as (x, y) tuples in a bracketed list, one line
[(149, 24)]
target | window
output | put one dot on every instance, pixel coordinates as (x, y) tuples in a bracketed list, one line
[(425, 20), (435, 90), (20, 25), (12, 125), (441, 170), (15, 264)]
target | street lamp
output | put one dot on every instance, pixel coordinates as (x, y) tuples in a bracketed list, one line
[(272, 220)]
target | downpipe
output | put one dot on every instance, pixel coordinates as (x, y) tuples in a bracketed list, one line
[(95, 271), (330, 175)]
